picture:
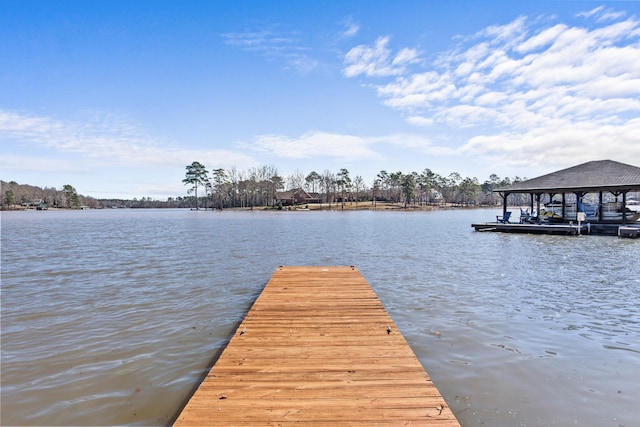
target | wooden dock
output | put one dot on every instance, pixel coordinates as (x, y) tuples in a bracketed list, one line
[(317, 348), (566, 229)]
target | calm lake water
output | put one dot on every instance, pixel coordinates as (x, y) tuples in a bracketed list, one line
[(112, 317)]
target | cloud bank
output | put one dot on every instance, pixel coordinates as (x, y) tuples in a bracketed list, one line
[(553, 94), (105, 139)]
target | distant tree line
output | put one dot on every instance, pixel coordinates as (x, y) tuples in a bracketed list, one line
[(258, 186), (23, 196), (16, 195)]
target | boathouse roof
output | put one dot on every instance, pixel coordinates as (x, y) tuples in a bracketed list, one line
[(594, 176)]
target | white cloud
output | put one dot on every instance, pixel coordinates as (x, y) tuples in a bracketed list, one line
[(542, 39), (570, 143), (302, 63), (417, 143), (590, 13), (418, 90), (528, 92), (420, 121), (509, 34), (351, 29), (10, 162), (611, 16), (604, 15), (491, 98), (377, 60), (405, 56), (108, 140), (284, 47), (344, 147), (316, 144)]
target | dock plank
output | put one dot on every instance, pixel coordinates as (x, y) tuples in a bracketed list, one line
[(315, 349)]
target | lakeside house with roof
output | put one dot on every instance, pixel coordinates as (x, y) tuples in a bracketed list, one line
[(295, 197), (595, 192)]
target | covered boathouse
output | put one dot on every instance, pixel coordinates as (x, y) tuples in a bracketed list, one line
[(590, 197)]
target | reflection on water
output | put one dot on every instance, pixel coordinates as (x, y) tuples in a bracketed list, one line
[(111, 317)]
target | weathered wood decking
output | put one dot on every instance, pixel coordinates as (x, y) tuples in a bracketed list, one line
[(315, 349)]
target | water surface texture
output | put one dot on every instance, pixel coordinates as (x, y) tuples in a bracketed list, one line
[(112, 317)]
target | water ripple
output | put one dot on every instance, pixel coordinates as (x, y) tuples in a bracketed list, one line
[(112, 317)]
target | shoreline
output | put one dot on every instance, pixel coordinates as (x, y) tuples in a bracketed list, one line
[(362, 206)]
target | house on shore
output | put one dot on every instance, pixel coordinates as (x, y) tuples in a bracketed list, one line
[(295, 197), (37, 204)]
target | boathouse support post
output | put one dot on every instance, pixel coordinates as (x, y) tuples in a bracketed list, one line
[(579, 196), (504, 203), (538, 199), (600, 201), (623, 207), (531, 203), (564, 205)]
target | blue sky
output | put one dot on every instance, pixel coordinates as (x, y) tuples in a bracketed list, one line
[(117, 97)]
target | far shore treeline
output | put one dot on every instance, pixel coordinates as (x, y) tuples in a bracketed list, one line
[(262, 187)]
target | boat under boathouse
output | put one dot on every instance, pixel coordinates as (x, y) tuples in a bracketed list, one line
[(595, 195)]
